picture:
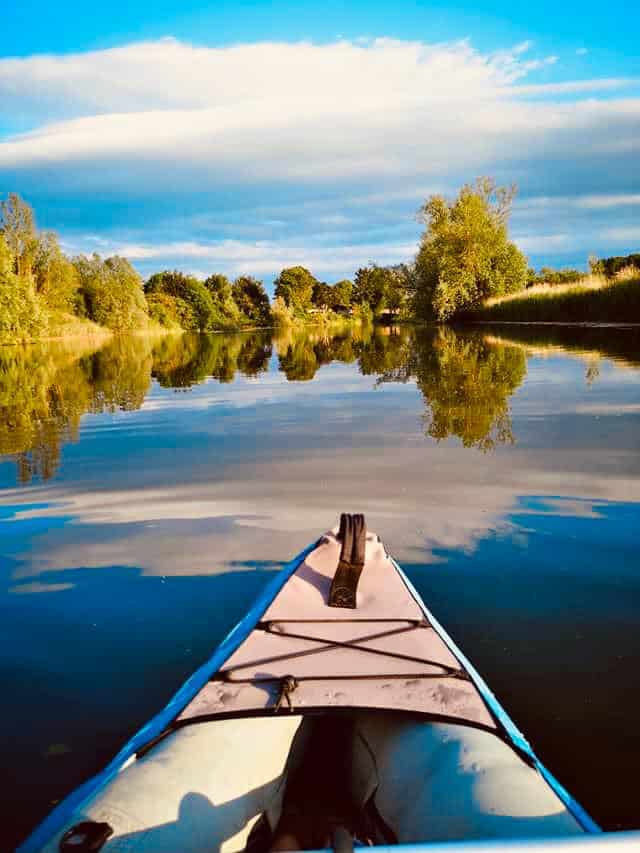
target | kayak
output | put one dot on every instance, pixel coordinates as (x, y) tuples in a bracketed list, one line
[(337, 713)]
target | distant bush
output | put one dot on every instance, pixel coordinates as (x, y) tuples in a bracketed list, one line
[(549, 276), (281, 314)]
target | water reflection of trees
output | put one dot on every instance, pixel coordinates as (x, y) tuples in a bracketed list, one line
[(466, 378), (46, 388), (184, 360), (467, 383)]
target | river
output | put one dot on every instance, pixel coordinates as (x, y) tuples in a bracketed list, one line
[(150, 486)]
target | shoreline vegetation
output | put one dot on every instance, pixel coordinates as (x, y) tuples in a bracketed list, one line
[(591, 299), (466, 270)]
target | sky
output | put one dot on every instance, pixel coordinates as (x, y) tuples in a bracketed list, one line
[(242, 137)]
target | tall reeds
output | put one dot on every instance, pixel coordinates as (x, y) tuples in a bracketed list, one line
[(593, 299)]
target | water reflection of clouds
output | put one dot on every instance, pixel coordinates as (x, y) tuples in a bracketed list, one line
[(266, 511)]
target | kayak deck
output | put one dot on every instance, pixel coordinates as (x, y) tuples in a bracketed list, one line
[(311, 715), (383, 654)]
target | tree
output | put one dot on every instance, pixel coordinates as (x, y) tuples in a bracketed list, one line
[(171, 311), (18, 227), (465, 255), (222, 293), (219, 287), (251, 298), (378, 287), (343, 292), (56, 278), (294, 286), (322, 295), (20, 315), (611, 266), (112, 292), (203, 315)]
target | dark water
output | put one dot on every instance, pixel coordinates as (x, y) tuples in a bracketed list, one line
[(151, 486)]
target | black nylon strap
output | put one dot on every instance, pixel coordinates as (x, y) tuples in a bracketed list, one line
[(353, 535)]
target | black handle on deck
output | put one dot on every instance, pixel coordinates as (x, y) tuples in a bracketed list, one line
[(353, 535)]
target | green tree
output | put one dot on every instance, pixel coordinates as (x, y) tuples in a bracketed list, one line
[(343, 293), (611, 266), (112, 292), (56, 279), (379, 288), (171, 311), (251, 298), (203, 314), (323, 295), (465, 255), (17, 225), (294, 286), (20, 314), (219, 287), (223, 294)]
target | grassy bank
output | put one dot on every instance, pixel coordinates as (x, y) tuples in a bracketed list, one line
[(593, 299), (61, 326)]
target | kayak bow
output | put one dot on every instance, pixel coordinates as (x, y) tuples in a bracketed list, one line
[(338, 703)]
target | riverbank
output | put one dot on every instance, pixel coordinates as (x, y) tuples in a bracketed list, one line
[(60, 326), (593, 299)]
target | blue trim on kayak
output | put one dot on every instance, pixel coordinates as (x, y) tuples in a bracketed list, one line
[(514, 733), (57, 819)]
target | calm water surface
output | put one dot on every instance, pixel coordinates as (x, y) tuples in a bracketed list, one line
[(149, 488)]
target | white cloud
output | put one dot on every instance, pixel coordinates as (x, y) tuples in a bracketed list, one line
[(168, 74), (548, 243), (310, 150), (166, 110), (596, 201), (624, 235), (262, 257), (575, 86), (606, 201)]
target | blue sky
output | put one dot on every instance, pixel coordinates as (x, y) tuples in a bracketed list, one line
[(247, 136)]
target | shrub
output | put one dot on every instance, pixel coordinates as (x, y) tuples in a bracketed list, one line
[(281, 314)]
